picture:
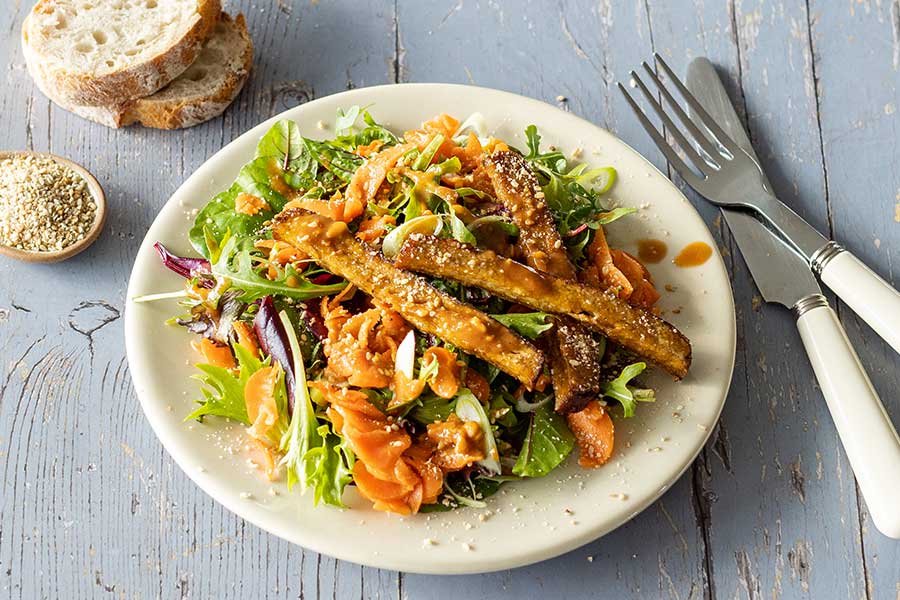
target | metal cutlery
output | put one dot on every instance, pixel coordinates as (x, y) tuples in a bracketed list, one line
[(782, 266), (725, 174)]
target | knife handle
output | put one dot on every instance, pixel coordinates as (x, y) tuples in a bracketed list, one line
[(869, 438), (867, 294)]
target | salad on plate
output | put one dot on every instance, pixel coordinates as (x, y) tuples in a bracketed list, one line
[(423, 316)]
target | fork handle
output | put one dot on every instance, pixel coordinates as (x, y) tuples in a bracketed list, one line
[(867, 294), (869, 438)]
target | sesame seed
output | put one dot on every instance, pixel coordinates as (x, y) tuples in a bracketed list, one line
[(44, 206)]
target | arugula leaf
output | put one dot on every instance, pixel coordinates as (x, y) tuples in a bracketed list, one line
[(224, 392), (311, 458), (574, 194), (614, 215), (628, 396), (236, 262), (548, 442), (531, 325)]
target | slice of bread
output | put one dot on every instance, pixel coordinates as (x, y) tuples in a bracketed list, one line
[(107, 52), (201, 93)]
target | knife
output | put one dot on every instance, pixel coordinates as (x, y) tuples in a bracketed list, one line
[(783, 276)]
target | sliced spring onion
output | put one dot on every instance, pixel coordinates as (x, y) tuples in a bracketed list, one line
[(468, 408), (162, 296), (475, 123), (406, 355), (427, 224), (424, 159)]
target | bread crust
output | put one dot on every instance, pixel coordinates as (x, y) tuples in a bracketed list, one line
[(135, 81), (173, 113), (177, 114)]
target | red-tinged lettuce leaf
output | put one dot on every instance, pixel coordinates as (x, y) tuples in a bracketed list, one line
[(185, 266), (274, 342)]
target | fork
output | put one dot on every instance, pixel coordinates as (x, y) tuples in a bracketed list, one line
[(726, 175)]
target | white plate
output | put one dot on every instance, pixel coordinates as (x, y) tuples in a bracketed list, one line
[(527, 521)]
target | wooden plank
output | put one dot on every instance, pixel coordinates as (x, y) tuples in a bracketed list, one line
[(90, 501), (781, 500), (576, 50), (860, 126)]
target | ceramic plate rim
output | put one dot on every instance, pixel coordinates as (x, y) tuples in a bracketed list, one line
[(169, 436)]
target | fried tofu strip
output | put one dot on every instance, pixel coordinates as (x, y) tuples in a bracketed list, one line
[(334, 247), (575, 354), (635, 329)]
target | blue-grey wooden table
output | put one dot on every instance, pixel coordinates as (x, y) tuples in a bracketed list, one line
[(92, 506)]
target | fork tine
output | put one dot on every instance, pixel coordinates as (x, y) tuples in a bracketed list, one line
[(686, 146), (661, 142), (699, 136), (710, 123)]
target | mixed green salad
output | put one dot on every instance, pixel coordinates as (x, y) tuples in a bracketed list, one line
[(334, 385)]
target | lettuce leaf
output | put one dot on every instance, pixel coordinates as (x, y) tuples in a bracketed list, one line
[(547, 443), (628, 396), (530, 325), (315, 457), (234, 259), (574, 193), (223, 392)]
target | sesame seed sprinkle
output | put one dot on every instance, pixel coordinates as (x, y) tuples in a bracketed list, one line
[(44, 206)]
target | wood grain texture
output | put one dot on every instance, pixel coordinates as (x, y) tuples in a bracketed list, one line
[(92, 506)]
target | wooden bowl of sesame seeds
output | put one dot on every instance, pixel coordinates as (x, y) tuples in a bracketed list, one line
[(50, 207)]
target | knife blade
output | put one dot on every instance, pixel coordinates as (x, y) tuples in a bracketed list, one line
[(781, 275)]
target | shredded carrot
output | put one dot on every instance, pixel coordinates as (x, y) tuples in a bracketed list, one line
[(248, 204), (361, 348), (605, 273), (405, 390), (368, 149), (259, 396), (246, 337), (495, 145), (644, 293), (445, 382), (215, 354), (458, 443), (594, 432), (375, 227), (268, 457), (368, 178), (395, 474)]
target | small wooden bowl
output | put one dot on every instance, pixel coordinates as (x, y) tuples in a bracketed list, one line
[(93, 233)]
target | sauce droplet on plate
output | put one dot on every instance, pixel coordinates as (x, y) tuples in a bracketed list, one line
[(652, 251), (693, 255)]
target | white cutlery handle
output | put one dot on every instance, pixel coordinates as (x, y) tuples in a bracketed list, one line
[(867, 294), (864, 427)]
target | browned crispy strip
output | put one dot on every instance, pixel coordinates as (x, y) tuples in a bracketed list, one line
[(638, 330), (575, 354), (331, 244)]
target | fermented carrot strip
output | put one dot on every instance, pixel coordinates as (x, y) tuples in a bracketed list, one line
[(445, 383), (593, 429), (610, 276), (259, 396), (246, 337), (216, 355)]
